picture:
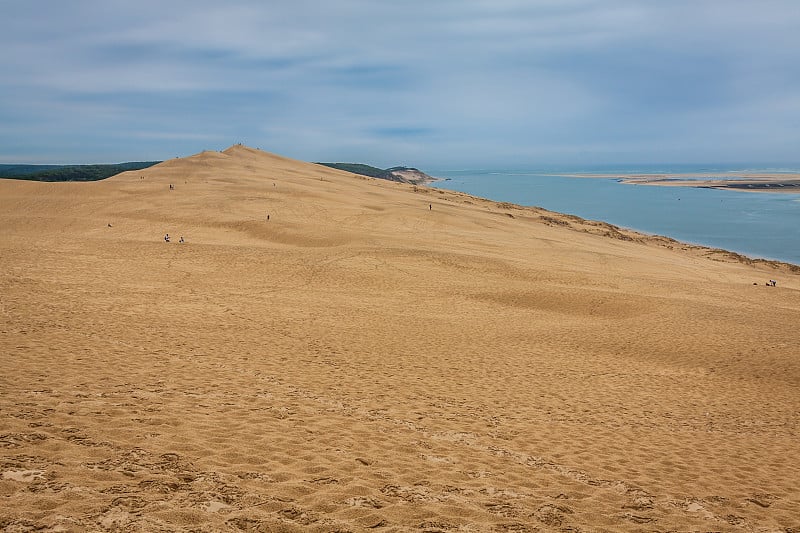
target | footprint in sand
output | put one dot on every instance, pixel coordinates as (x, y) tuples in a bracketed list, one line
[(115, 518), (362, 501), (23, 476), (214, 507), (695, 507)]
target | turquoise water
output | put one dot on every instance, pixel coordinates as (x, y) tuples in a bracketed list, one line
[(765, 225)]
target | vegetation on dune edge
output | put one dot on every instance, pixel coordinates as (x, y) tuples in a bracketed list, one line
[(70, 172), (399, 174)]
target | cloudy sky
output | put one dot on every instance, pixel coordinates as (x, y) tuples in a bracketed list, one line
[(428, 83)]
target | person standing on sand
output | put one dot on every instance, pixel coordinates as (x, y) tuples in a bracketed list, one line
[(430, 207)]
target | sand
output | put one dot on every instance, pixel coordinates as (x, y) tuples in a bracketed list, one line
[(364, 362), (744, 181)]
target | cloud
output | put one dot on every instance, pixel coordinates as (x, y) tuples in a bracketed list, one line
[(402, 132), (472, 81)]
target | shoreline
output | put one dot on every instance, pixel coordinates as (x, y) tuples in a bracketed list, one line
[(613, 231)]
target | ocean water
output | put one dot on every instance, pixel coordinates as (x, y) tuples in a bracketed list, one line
[(759, 225)]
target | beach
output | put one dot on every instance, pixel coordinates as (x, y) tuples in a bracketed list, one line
[(754, 225), (329, 352)]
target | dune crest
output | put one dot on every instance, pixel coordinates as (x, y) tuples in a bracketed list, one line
[(329, 352)]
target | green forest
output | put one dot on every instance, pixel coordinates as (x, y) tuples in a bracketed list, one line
[(69, 172), (366, 170)]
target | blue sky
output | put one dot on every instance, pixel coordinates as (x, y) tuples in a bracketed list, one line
[(427, 83)]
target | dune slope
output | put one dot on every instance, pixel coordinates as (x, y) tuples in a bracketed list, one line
[(378, 356)]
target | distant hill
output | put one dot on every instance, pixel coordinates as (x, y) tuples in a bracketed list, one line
[(100, 172), (70, 172), (400, 174)]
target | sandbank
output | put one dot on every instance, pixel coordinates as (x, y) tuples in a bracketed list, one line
[(739, 181)]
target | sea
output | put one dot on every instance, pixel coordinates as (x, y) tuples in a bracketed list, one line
[(758, 225)]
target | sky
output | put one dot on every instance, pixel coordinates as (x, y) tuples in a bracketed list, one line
[(427, 83)]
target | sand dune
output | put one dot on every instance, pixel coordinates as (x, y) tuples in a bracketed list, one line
[(363, 361)]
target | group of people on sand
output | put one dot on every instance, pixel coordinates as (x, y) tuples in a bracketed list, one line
[(167, 238)]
